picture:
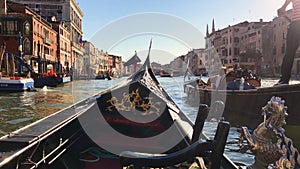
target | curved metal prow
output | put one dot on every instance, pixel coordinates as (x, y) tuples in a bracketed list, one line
[(147, 61)]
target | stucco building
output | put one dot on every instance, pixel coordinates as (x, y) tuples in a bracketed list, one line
[(196, 60)]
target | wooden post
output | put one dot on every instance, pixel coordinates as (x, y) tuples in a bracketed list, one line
[(2, 50), (12, 63), (199, 123), (220, 143), (7, 70), (20, 44)]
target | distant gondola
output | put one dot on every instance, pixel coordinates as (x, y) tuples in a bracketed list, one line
[(164, 73), (109, 129)]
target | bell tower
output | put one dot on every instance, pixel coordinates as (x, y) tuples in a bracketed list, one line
[(213, 26)]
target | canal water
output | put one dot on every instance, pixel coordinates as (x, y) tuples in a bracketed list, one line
[(20, 109)]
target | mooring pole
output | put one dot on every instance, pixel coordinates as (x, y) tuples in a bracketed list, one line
[(39, 58), (20, 53), (6, 64)]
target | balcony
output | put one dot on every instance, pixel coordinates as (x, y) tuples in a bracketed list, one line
[(49, 57), (48, 41), (77, 48), (76, 45)]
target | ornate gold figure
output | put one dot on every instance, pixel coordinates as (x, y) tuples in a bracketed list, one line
[(268, 142), (133, 101)]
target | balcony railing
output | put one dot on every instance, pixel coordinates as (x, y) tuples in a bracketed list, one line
[(48, 41), (49, 57)]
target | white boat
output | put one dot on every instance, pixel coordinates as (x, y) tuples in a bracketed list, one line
[(16, 84)]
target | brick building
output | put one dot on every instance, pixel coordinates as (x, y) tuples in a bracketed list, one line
[(38, 36), (64, 57), (69, 12)]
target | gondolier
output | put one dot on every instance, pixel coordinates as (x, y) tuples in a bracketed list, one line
[(293, 40)]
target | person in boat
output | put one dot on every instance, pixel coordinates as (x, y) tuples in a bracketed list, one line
[(218, 81), (292, 41), (239, 79)]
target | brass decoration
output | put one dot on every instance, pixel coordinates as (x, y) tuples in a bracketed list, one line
[(133, 101), (268, 142)]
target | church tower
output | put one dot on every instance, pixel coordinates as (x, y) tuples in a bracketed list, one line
[(213, 26)]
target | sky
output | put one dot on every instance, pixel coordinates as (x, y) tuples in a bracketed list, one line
[(122, 27)]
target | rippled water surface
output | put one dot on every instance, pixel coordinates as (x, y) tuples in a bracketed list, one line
[(20, 109)]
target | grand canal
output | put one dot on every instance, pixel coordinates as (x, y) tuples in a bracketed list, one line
[(20, 109)]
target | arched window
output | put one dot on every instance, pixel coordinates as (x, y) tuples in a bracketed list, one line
[(27, 47), (27, 28)]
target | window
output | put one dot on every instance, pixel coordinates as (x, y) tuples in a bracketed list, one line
[(46, 50), (34, 46), (10, 27), (283, 48), (274, 50), (27, 28), (236, 39), (27, 47), (66, 48), (236, 51)]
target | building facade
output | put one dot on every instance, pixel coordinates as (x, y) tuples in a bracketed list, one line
[(69, 12), (280, 26), (64, 60), (256, 47), (196, 60), (38, 38), (89, 67), (248, 44)]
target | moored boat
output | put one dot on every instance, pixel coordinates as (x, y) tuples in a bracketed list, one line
[(16, 84), (51, 81), (164, 73), (118, 127)]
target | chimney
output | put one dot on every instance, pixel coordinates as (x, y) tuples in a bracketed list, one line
[(3, 7)]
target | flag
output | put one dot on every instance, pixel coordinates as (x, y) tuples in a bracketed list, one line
[(80, 41)]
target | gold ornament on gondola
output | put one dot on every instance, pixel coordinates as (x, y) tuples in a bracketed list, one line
[(134, 101)]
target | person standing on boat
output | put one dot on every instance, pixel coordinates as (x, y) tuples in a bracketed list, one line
[(293, 40)]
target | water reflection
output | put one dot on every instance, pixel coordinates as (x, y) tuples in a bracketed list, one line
[(20, 109)]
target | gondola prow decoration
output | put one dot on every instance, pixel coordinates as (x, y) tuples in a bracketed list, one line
[(268, 141)]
